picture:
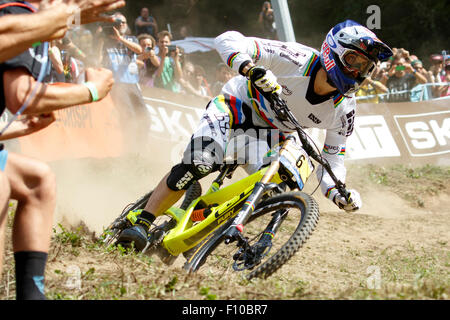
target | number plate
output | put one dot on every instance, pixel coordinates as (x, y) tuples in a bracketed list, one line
[(296, 161)]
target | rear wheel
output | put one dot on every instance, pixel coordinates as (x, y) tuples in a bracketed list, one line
[(300, 214)]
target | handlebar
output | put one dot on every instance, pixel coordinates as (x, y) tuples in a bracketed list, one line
[(283, 112)]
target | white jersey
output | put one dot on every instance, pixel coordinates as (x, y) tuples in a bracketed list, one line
[(293, 65)]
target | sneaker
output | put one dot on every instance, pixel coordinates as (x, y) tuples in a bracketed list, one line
[(136, 234)]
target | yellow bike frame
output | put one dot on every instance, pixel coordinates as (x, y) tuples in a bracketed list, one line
[(186, 235), (230, 199)]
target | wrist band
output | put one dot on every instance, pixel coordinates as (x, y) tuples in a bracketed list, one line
[(92, 89), (243, 66)]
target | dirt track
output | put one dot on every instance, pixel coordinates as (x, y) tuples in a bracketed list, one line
[(389, 237), (391, 246)]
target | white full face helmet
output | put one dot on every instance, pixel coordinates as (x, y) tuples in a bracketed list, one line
[(350, 54)]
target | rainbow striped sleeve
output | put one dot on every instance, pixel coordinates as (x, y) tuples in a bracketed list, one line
[(338, 100), (329, 190), (330, 150), (256, 52), (311, 64), (231, 59)]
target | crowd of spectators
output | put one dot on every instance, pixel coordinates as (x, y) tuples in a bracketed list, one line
[(404, 78), (143, 54), (136, 54)]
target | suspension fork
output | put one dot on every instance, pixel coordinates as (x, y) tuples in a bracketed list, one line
[(234, 232), (273, 225)]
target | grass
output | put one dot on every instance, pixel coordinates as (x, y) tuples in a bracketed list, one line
[(413, 184), (407, 272)]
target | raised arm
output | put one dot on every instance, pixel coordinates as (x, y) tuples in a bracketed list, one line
[(18, 84), (19, 32), (27, 125)]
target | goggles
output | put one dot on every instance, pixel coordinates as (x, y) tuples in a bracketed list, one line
[(357, 64)]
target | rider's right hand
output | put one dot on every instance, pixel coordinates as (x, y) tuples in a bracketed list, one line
[(102, 78), (350, 203), (264, 80)]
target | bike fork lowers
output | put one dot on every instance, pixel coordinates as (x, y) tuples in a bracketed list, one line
[(234, 232)]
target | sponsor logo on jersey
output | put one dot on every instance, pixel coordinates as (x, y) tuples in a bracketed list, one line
[(314, 119), (292, 53), (286, 91), (347, 124), (332, 149), (350, 122), (288, 57)]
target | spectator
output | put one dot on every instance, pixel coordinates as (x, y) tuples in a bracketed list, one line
[(201, 82), (148, 61), (57, 72), (84, 41), (266, 21), (72, 59), (183, 33), (119, 54), (119, 51), (223, 74), (382, 75), (78, 42), (371, 88), (169, 72), (423, 92), (402, 78), (436, 67), (146, 23), (30, 181), (436, 73), (418, 66), (194, 81), (444, 90)]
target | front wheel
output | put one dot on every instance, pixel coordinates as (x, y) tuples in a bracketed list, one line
[(300, 214)]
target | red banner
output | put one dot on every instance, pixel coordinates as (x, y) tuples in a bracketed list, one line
[(89, 131)]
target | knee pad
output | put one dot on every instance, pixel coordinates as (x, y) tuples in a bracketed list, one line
[(180, 178), (202, 156), (184, 174)]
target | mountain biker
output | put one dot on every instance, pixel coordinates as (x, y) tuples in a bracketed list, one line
[(318, 87)]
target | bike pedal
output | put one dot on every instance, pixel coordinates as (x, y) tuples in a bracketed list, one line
[(119, 225)]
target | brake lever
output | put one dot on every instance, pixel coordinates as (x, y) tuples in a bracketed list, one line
[(281, 113)]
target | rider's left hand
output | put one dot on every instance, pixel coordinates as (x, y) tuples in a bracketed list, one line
[(353, 203)]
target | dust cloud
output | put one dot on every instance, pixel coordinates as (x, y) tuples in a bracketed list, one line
[(95, 191)]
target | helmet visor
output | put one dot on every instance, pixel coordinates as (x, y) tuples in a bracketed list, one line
[(357, 64)]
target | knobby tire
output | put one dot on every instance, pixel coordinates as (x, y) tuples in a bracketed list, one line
[(308, 221)]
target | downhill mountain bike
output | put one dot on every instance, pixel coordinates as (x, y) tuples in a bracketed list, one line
[(267, 223)]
